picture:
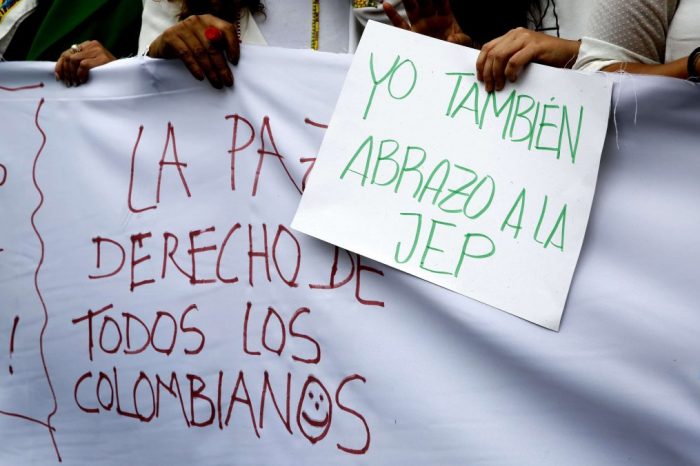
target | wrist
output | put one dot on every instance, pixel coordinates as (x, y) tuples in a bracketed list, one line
[(566, 52), (573, 47)]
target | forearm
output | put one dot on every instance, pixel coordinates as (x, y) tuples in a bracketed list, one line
[(675, 69)]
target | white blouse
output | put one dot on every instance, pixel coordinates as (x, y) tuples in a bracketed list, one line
[(641, 31)]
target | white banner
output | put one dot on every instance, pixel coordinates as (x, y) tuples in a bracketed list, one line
[(157, 308)]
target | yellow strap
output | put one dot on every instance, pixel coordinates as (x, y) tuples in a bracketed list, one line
[(315, 23), (316, 17)]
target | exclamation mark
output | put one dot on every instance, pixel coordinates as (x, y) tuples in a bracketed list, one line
[(12, 341)]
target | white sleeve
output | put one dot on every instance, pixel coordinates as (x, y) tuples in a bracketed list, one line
[(626, 31), (157, 16), (595, 54)]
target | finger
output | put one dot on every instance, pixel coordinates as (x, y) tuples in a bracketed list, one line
[(85, 50), (233, 44), (86, 65), (412, 10), (58, 69), (395, 17), (71, 62), (179, 48), (65, 72), (73, 71), (487, 74), (498, 67), (221, 66), (95, 57), (62, 67), (74, 61), (518, 61), (200, 54), (217, 59), (501, 55), (230, 31), (481, 60)]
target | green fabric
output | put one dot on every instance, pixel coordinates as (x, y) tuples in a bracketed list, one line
[(57, 24)]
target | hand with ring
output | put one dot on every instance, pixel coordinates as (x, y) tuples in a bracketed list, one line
[(203, 43), (74, 65)]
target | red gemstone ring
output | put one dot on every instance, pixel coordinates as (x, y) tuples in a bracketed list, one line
[(213, 35)]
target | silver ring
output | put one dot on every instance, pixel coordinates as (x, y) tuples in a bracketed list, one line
[(75, 48)]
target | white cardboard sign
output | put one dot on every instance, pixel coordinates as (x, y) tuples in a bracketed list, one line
[(486, 194)]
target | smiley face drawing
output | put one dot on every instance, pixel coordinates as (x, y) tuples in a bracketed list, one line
[(315, 410)]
